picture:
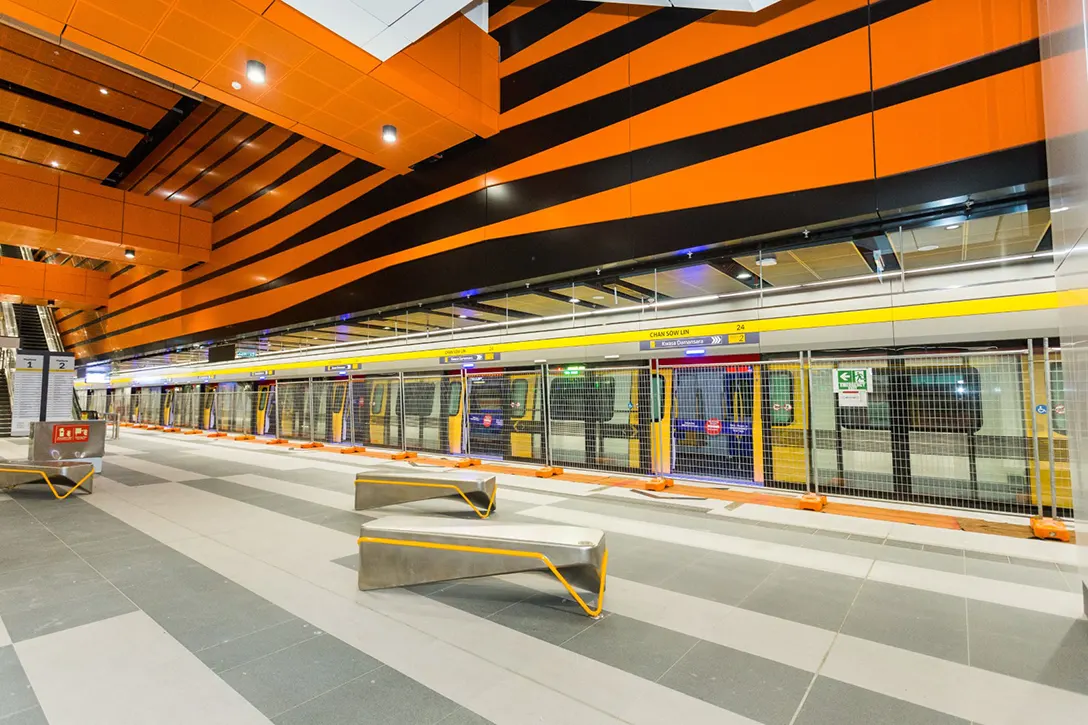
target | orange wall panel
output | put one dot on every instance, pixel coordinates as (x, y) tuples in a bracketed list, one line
[(93, 211)]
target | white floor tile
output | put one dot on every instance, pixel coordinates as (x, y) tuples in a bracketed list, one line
[(5, 638), (977, 695), (127, 670)]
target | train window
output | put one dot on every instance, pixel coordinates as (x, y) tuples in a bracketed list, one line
[(1057, 397), (567, 400), (658, 394), (377, 397), (740, 406), (601, 396), (419, 399), (780, 397), (485, 394), (453, 405), (519, 396)]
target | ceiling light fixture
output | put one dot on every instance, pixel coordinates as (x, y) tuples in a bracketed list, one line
[(952, 227), (256, 72), (1060, 209), (104, 91), (76, 131), (54, 164), (598, 297), (463, 317), (928, 248), (769, 261), (236, 85), (744, 275), (574, 300), (130, 253), (389, 133)]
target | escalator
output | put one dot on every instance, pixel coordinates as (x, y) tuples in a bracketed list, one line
[(29, 323)]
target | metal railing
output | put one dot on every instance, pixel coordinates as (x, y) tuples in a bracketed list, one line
[(981, 430)]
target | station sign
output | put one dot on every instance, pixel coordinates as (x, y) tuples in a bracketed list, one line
[(679, 343), (339, 368), (854, 380), (469, 358), (262, 373)]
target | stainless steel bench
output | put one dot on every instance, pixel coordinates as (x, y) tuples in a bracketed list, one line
[(69, 474), (388, 485), (402, 551)]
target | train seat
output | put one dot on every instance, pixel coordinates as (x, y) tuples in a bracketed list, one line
[(379, 486), (68, 474), (399, 551)]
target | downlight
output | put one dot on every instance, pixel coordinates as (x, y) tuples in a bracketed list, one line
[(256, 72), (389, 133)]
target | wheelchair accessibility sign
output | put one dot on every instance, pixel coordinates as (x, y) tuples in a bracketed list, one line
[(1040, 409)]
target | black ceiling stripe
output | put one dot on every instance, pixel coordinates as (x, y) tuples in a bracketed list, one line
[(191, 267), (67, 317), (496, 262), (320, 155), (551, 73), (124, 270), (494, 6), (40, 97), (355, 171), (47, 166), (226, 129), (66, 143), (290, 141), (545, 190), (180, 143), (222, 159), (538, 23), (137, 283), (151, 140)]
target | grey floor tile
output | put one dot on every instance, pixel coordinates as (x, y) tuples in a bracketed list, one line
[(347, 522), (57, 583), (31, 554), (831, 702), (903, 544), (922, 558), (804, 595), (16, 693), (382, 697), (289, 677), (638, 647), (1033, 563), (293, 507), (649, 564), (1029, 645), (723, 578), (849, 546), (49, 618), (351, 561), (1050, 579), (545, 617), (464, 716), (126, 542), (986, 556), (912, 619), (483, 597), (943, 550), (31, 716), (245, 649), (867, 539), (832, 534), (127, 476), (141, 566), (229, 489), (1069, 569), (766, 691)]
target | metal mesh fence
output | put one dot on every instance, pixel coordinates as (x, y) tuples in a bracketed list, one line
[(426, 407), (293, 409), (376, 402), (505, 418), (953, 430), (330, 414), (599, 418)]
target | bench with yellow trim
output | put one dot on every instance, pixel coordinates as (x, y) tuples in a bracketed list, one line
[(399, 551), (379, 486), (67, 474)]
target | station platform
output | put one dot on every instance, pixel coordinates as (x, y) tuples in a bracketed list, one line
[(214, 581)]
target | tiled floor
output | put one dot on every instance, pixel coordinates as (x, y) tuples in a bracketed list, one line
[(213, 582)]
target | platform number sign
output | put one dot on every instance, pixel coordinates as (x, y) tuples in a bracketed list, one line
[(854, 380)]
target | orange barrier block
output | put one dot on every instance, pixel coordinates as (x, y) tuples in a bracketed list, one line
[(154, 427), (549, 471), (193, 432), (276, 442), (812, 502), (657, 483), (138, 425), (217, 435), (312, 444), (353, 449), (243, 437), (171, 430), (467, 463), (1044, 527), (405, 455)]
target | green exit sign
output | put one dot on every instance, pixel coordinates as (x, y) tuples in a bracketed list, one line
[(854, 379)]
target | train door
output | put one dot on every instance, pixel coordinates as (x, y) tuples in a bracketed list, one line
[(207, 413), (265, 413), (780, 446), (382, 398), (487, 404), (526, 408), (712, 424), (424, 415), (339, 430), (453, 404), (167, 407)]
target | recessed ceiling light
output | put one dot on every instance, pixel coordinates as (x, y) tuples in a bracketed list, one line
[(389, 133), (769, 261), (104, 91), (236, 85), (952, 227), (574, 300), (255, 71), (130, 253), (1060, 209), (387, 327), (54, 164), (463, 316), (928, 248), (598, 297), (744, 275), (76, 131)]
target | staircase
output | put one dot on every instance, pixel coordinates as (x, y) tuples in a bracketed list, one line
[(5, 407), (31, 334)]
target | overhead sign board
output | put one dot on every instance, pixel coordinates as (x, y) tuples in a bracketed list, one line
[(339, 368), (469, 358), (678, 343), (853, 380)]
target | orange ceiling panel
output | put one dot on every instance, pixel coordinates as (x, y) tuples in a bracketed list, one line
[(318, 84), (63, 124), (23, 148)]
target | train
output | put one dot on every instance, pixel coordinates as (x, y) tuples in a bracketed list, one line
[(960, 411)]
